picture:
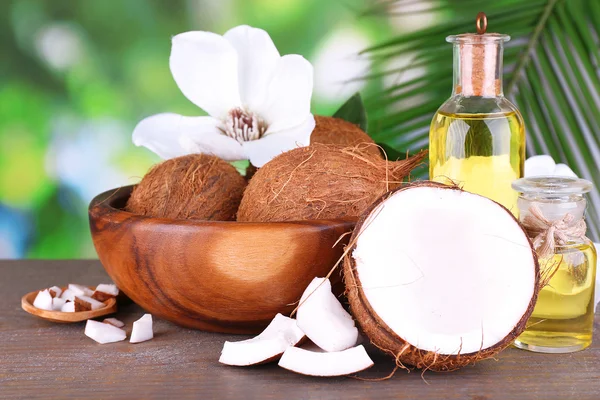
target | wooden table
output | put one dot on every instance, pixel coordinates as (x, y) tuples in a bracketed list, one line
[(39, 359)]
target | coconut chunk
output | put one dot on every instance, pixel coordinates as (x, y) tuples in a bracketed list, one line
[(142, 329), (69, 306), (55, 291), (104, 333), (58, 303), (68, 294), (114, 322), (43, 300), (105, 291), (339, 363), (80, 290), (85, 303), (323, 319), (281, 333)]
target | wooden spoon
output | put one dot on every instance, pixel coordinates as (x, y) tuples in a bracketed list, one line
[(66, 317)]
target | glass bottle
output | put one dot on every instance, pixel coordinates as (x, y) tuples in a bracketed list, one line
[(477, 137), (563, 317)]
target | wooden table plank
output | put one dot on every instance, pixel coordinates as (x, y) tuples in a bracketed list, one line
[(39, 359)]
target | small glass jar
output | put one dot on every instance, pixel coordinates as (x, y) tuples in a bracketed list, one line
[(552, 211)]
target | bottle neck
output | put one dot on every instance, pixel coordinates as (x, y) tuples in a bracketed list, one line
[(478, 69)]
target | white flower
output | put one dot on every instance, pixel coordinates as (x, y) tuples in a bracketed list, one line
[(544, 165), (258, 102)]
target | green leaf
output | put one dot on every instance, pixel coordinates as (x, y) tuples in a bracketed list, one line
[(353, 110), (550, 71)]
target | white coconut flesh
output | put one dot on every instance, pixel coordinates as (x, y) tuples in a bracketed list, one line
[(315, 363), (281, 333), (448, 271), (323, 319)]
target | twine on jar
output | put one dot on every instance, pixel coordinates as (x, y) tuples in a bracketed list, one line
[(546, 234)]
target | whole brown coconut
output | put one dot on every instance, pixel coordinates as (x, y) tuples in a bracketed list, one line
[(331, 130), (432, 298), (196, 186), (321, 182)]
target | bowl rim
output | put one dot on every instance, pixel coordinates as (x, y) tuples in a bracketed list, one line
[(103, 204)]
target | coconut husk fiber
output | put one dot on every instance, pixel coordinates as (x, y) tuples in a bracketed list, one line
[(321, 182), (331, 130), (195, 186)]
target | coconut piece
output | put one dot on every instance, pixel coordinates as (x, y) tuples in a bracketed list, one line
[(55, 291), (43, 300), (425, 269), (331, 130), (196, 186), (105, 291), (142, 329), (68, 294), (323, 319), (320, 182), (80, 290), (85, 303), (104, 333), (69, 306), (281, 333), (114, 322), (338, 363), (58, 303)]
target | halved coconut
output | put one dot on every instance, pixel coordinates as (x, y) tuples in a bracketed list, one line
[(323, 319), (315, 363), (440, 277), (281, 333)]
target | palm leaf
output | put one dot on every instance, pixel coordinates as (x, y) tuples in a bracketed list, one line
[(551, 72)]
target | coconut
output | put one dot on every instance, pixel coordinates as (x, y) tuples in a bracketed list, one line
[(331, 130), (439, 277), (321, 182), (196, 186)]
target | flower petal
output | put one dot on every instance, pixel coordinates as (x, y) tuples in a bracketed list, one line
[(261, 151), (289, 92), (205, 67), (257, 60), (539, 166), (171, 135)]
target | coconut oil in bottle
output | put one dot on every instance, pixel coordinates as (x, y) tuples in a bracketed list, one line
[(552, 210), (477, 137)]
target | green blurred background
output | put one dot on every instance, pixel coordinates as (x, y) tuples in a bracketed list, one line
[(76, 76)]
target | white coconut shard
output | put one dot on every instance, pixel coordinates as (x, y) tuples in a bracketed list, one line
[(68, 307), (281, 333), (58, 303), (339, 363), (94, 304), (108, 289), (68, 295), (114, 322), (80, 290), (104, 333), (323, 319), (55, 291), (429, 264), (142, 329), (43, 300)]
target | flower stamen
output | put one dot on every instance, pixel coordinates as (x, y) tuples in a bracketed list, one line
[(244, 126)]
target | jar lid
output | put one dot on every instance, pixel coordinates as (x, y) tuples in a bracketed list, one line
[(552, 185), (481, 37)]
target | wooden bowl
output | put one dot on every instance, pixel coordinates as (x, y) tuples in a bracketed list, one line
[(217, 276), (66, 317)]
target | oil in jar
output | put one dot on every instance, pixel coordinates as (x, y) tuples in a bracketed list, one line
[(482, 153), (562, 320)]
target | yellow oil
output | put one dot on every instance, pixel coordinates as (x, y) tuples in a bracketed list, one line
[(483, 153), (563, 318)]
